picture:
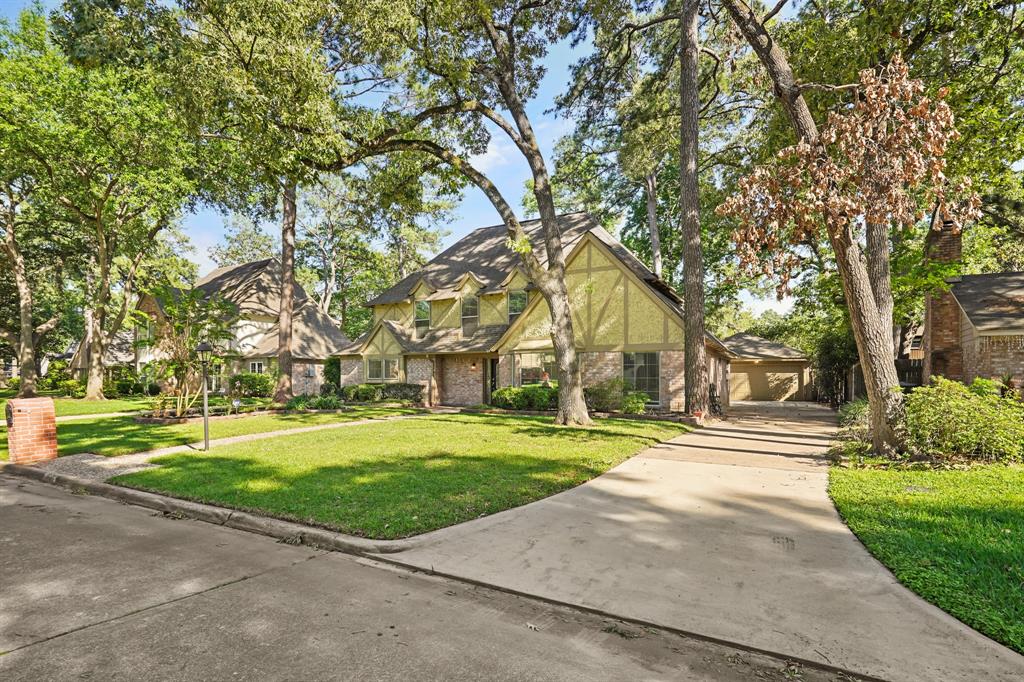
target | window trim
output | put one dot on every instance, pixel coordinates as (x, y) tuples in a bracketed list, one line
[(512, 317), (475, 318), (657, 375), (252, 367), (382, 361), (309, 371), (416, 318)]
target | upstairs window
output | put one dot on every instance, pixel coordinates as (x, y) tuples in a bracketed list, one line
[(516, 304), (470, 315), (422, 318)]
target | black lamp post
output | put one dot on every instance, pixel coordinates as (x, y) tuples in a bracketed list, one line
[(205, 351)]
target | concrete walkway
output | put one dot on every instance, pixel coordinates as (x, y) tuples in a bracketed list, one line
[(99, 468), (727, 532)]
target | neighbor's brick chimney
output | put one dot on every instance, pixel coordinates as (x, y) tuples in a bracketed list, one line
[(943, 350), (31, 430)]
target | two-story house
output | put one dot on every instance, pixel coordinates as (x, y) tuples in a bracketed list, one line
[(470, 321), (255, 291)]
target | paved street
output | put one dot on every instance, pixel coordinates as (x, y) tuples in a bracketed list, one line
[(92, 589)]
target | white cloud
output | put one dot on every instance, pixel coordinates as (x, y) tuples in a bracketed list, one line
[(500, 152)]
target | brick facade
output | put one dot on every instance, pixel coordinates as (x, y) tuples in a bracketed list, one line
[(351, 370), (461, 382), (993, 357), (32, 436), (302, 384), (421, 371), (671, 384), (943, 345), (600, 366)]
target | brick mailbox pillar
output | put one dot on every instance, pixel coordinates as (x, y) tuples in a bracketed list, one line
[(31, 430)]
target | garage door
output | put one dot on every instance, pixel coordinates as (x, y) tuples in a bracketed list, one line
[(775, 381)]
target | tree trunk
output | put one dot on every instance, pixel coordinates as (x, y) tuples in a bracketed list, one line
[(874, 345), (24, 347), (651, 193), (874, 340), (880, 273), (284, 339), (572, 407), (94, 353), (695, 359)]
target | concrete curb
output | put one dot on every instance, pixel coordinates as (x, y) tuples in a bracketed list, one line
[(286, 531)]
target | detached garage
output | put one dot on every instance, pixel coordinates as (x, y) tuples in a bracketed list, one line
[(766, 370)]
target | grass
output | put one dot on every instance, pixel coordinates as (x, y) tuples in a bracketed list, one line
[(112, 436), (400, 479), (955, 537), (69, 407)]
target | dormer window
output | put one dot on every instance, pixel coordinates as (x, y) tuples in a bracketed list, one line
[(422, 318), (516, 304), (470, 314)]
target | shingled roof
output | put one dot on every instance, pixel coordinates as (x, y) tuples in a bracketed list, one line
[(255, 287), (486, 254), (750, 347), (993, 303)]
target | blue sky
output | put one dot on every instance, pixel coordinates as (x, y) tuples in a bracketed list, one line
[(502, 162)]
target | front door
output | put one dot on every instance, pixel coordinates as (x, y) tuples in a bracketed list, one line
[(492, 378)]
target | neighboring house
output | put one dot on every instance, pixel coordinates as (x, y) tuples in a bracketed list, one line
[(255, 290), (767, 370), (976, 328), (471, 321)]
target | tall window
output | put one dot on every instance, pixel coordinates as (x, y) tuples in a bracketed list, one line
[(373, 369), (640, 372), (422, 318), (256, 367), (470, 315), (516, 304)]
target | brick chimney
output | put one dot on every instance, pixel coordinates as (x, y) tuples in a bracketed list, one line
[(943, 350)]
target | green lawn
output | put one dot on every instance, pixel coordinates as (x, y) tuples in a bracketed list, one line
[(400, 479), (111, 436), (954, 537), (67, 407)]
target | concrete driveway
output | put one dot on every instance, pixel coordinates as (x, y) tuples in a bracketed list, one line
[(729, 533)]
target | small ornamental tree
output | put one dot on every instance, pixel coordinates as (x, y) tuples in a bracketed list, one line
[(878, 166), (189, 318)]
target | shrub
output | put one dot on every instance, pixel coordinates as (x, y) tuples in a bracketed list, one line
[(325, 402), (299, 402), (605, 396), (410, 392), (110, 389), (328, 388), (540, 397), (948, 419), (855, 421), (986, 387), (73, 388), (332, 371), (368, 393), (509, 398), (252, 385), (153, 389), (14, 383), (634, 402), (56, 372)]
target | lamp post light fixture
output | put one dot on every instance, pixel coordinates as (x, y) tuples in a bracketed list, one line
[(205, 352)]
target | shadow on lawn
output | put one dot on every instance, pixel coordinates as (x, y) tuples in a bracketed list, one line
[(384, 497), (544, 427)]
